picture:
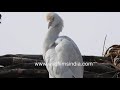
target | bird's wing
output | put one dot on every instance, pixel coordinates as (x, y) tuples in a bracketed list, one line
[(56, 71), (50, 58), (68, 52)]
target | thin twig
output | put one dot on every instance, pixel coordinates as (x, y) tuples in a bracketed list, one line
[(104, 45), (0, 18)]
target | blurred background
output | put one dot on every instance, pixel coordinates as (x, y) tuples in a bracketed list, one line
[(24, 32)]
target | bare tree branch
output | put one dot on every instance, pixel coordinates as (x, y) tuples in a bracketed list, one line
[(104, 45)]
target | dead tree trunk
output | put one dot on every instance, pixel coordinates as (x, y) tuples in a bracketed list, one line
[(23, 66)]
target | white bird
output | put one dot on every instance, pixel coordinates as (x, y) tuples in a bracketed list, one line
[(60, 49)]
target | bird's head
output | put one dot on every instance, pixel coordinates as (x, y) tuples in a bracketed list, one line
[(54, 20)]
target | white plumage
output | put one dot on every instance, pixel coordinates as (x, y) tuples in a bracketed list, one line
[(60, 49)]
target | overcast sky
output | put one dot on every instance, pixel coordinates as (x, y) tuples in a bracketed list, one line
[(24, 32)]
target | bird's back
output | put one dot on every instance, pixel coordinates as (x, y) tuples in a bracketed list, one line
[(64, 50)]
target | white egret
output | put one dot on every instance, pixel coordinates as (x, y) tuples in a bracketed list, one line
[(61, 50)]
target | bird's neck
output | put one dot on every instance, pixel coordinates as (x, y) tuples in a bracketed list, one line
[(51, 37)]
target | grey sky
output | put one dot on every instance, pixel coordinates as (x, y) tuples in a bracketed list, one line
[(24, 32)]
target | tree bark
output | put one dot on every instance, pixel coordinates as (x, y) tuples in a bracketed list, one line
[(23, 66), (5, 61), (24, 73)]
